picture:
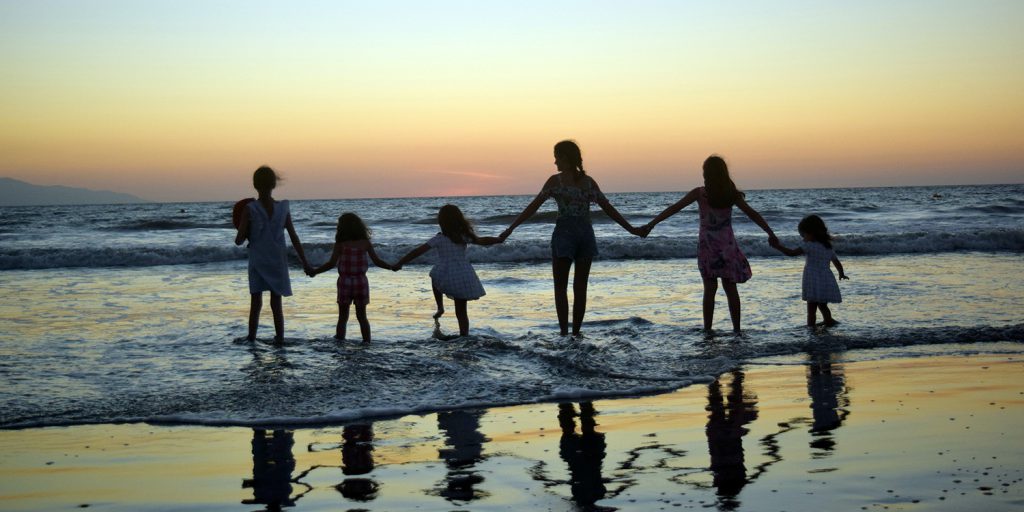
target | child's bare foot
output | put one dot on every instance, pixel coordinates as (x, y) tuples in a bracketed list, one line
[(339, 338), (440, 312), (831, 322)]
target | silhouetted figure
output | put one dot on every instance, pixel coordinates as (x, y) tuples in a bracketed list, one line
[(727, 416), (718, 255), (583, 452), (463, 449), (272, 467), (263, 223), (351, 255), (819, 286), (453, 275), (573, 241), (826, 385), (357, 459)]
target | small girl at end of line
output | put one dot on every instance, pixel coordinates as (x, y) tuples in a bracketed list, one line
[(263, 222), (819, 284), (453, 275), (351, 247)]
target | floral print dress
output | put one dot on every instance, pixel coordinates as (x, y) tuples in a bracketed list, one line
[(718, 255)]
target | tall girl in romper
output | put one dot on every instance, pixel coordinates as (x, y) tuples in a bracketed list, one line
[(572, 241)]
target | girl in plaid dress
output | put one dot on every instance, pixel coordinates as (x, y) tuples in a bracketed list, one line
[(453, 275), (819, 284), (351, 248)]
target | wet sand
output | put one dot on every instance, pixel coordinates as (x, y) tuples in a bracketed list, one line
[(813, 432)]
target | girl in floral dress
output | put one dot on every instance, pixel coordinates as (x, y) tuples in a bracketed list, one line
[(718, 255)]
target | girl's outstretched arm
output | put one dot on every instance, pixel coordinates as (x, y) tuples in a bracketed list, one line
[(786, 250), (839, 267), (295, 241), (529, 210), (329, 264), (488, 240), (376, 259), (757, 218), (413, 254), (613, 214), (685, 201), (243, 227)]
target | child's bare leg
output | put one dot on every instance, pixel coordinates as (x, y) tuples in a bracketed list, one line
[(339, 332), (364, 323), (463, 316), (278, 310), (826, 314), (255, 305), (812, 313), (733, 296), (710, 289), (560, 274), (439, 299), (580, 280)]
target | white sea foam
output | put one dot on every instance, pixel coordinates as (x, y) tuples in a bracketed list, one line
[(516, 251)]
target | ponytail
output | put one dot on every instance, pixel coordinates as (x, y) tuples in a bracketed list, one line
[(569, 151)]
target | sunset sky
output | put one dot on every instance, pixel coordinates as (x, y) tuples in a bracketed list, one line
[(182, 100)]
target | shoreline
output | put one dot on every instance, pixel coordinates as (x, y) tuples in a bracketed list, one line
[(932, 432)]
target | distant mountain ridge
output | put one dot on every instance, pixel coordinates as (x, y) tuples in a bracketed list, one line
[(19, 193)]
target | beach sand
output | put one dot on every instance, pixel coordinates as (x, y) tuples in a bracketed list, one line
[(811, 432)]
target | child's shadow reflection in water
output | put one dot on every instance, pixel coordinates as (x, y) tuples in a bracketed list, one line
[(272, 468), (357, 460), (462, 451)]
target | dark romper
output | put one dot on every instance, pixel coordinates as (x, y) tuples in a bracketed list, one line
[(573, 237)]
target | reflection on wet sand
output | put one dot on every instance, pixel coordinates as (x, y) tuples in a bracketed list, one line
[(826, 385), (727, 415), (731, 409), (583, 452), (272, 467), (357, 459), (463, 450)]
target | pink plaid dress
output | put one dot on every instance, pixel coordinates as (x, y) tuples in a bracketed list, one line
[(353, 287)]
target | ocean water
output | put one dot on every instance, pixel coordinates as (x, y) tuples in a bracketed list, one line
[(128, 313)]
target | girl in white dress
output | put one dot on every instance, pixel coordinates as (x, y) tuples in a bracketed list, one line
[(453, 275), (819, 284), (263, 223)]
